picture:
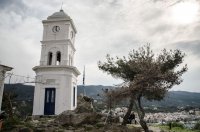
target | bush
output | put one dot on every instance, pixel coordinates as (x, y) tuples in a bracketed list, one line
[(197, 126), (100, 124), (176, 124), (9, 124)]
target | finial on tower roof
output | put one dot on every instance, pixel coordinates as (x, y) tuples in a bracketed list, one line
[(61, 7)]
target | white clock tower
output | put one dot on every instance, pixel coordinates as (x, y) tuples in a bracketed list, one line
[(56, 76)]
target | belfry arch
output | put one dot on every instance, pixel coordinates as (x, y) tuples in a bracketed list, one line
[(50, 58), (58, 58)]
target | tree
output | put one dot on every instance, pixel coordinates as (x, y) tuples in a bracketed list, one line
[(7, 103), (145, 76)]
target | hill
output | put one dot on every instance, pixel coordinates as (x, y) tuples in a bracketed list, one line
[(23, 92), (173, 98)]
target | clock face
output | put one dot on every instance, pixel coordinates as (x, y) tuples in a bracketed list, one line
[(56, 29)]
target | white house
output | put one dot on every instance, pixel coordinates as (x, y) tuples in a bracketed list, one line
[(3, 70), (56, 76)]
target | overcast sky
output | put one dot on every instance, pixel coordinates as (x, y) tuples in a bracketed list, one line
[(104, 26)]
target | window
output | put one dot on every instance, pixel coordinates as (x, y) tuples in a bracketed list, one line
[(47, 97), (52, 96), (74, 96), (50, 56), (58, 58)]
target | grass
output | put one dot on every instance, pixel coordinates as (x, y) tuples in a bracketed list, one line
[(176, 129)]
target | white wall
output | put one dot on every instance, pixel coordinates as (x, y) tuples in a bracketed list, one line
[(3, 70), (65, 79)]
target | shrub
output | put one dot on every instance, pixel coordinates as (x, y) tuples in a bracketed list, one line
[(9, 124), (197, 126), (176, 124), (100, 124)]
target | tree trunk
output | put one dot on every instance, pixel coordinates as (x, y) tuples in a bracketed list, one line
[(125, 119), (141, 114), (144, 125)]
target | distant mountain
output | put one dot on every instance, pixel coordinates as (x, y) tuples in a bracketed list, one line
[(23, 92), (178, 98), (174, 98), (92, 90)]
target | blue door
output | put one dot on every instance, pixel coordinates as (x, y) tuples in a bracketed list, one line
[(49, 102)]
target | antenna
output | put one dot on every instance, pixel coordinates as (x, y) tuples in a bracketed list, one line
[(61, 6), (84, 82), (84, 76)]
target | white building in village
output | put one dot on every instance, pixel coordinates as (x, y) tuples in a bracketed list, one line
[(3, 70), (56, 76)]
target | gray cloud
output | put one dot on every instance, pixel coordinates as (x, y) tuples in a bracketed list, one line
[(191, 46), (190, 81), (151, 15), (162, 29), (16, 6), (104, 26)]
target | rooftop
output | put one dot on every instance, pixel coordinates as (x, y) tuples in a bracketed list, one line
[(59, 15)]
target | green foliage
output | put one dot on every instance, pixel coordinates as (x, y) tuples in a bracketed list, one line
[(176, 124), (9, 123), (197, 126), (144, 73), (179, 129), (20, 98), (165, 128), (100, 124)]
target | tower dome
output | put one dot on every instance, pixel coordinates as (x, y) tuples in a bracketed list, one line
[(59, 15)]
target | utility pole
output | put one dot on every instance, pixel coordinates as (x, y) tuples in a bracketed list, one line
[(84, 93)]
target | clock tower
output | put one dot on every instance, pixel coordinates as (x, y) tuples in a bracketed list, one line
[(56, 76)]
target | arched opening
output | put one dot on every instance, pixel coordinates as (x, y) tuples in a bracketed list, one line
[(58, 58), (50, 57)]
